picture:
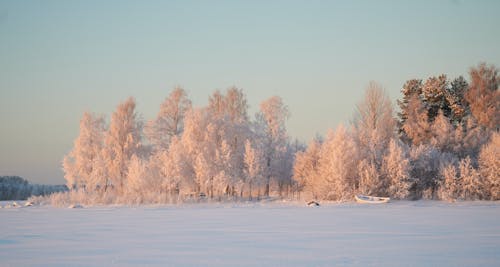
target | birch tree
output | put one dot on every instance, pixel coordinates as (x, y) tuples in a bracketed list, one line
[(79, 165), (122, 141), (170, 119)]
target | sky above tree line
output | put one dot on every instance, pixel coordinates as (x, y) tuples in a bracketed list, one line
[(59, 59)]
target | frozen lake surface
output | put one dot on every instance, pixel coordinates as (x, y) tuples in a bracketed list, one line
[(258, 234)]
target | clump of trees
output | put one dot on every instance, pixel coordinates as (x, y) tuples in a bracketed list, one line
[(17, 188), (443, 144), (215, 151)]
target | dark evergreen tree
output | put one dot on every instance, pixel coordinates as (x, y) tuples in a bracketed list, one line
[(433, 96), (410, 88), (455, 96)]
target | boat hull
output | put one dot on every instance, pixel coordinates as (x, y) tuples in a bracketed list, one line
[(371, 199)]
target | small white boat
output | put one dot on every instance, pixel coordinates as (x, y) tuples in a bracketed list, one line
[(371, 199)]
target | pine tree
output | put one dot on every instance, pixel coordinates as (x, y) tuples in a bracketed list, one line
[(410, 89), (455, 96), (433, 92), (416, 127)]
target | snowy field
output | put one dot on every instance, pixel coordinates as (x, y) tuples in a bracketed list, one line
[(262, 234)]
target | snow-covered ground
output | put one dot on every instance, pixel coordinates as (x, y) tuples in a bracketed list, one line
[(260, 234)]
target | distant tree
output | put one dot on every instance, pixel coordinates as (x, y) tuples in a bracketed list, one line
[(122, 141), (80, 164), (170, 120), (14, 188), (483, 95), (17, 188)]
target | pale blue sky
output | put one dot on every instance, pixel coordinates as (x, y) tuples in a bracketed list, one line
[(61, 58)]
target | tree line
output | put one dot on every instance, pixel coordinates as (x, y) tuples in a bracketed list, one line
[(443, 144), (17, 188)]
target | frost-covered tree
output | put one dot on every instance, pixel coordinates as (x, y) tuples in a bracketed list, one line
[(139, 181), (214, 141), (179, 172), (163, 173), (425, 162), (396, 170), (483, 95), (416, 127), (273, 136), (253, 167), (232, 104), (374, 127), (338, 163), (374, 122), (306, 167), (81, 164), (442, 133), (471, 182), (489, 166), (370, 178), (170, 119), (450, 188), (99, 173), (122, 141), (475, 136)]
